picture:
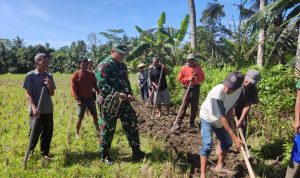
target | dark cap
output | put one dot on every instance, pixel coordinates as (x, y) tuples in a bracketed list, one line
[(121, 48), (81, 60), (252, 76), (234, 80), (155, 58)]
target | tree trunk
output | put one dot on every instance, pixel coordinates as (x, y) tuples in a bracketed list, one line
[(193, 23), (297, 66), (261, 38)]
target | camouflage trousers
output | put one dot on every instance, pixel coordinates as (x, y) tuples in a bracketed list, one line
[(107, 124)]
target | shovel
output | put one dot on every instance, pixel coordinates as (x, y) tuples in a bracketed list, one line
[(185, 95), (243, 139), (33, 128)]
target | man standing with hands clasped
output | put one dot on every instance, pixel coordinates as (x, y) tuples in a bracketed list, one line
[(35, 80), (190, 73), (112, 77)]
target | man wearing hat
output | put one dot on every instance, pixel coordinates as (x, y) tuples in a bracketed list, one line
[(190, 73), (213, 112), (248, 97), (143, 85), (112, 77), (82, 84)]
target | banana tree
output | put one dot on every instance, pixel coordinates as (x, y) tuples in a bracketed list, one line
[(162, 42), (282, 35)]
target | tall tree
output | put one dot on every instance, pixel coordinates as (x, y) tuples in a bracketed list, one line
[(261, 37), (297, 67), (193, 24)]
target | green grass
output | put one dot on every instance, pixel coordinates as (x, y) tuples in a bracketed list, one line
[(73, 157)]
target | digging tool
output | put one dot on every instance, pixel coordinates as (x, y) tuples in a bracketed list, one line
[(250, 170), (155, 96), (143, 84), (152, 91), (243, 139), (185, 95), (121, 100), (43, 92), (244, 153)]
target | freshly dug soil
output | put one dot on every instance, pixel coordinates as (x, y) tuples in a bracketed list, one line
[(184, 144)]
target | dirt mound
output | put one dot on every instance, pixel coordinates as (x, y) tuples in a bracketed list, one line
[(184, 144)]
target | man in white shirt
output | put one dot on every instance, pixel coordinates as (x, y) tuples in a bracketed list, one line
[(213, 112)]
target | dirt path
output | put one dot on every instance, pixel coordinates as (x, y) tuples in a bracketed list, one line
[(185, 143)]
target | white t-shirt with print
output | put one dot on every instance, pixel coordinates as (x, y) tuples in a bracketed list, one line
[(210, 110)]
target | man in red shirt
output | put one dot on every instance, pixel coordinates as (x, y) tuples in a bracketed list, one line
[(190, 72), (82, 84)]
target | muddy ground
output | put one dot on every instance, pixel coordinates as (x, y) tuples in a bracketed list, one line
[(184, 144)]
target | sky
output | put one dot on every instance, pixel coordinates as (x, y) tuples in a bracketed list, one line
[(61, 22)]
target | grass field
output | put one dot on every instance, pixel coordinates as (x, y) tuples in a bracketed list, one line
[(72, 157)]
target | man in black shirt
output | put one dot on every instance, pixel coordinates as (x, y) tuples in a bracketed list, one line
[(159, 84), (248, 97)]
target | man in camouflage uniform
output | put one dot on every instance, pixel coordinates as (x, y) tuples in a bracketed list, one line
[(112, 77)]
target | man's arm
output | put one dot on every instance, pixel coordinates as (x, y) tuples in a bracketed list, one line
[(50, 85), (297, 112), (244, 114), (182, 77), (33, 105), (200, 75), (218, 110), (102, 75), (74, 87), (165, 69), (128, 87), (226, 126), (95, 83)]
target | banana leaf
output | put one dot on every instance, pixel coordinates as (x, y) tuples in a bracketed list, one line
[(183, 28), (138, 51)]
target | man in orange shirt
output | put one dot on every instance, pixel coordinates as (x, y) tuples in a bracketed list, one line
[(82, 84), (190, 72)]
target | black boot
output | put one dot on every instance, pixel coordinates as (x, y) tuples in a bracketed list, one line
[(192, 125), (105, 157), (137, 154)]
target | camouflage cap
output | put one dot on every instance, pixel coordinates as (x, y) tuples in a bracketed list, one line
[(121, 48), (191, 56)]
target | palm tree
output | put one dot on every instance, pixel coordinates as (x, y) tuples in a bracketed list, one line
[(261, 37), (297, 67), (193, 23)]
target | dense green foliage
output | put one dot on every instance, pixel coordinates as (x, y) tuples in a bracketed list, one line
[(270, 129)]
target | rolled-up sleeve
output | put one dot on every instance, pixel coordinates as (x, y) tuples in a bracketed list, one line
[(217, 107)]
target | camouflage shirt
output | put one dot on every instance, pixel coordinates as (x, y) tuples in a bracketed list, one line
[(112, 75)]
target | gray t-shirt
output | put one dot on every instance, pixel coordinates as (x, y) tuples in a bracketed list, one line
[(34, 82)]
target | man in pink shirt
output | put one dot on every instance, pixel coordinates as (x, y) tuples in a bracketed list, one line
[(190, 72)]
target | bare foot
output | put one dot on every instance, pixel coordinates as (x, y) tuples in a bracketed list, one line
[(219, 169)]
